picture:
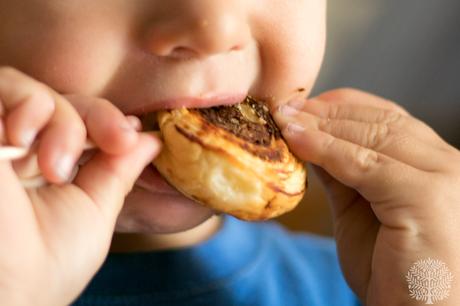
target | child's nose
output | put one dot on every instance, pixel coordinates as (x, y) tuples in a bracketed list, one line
[(203, 28)]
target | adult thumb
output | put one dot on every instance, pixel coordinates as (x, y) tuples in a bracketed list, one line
[(107, 179)]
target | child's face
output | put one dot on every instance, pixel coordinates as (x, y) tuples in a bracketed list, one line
[(159, 53)]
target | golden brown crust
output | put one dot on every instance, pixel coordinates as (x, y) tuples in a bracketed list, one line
[(229, 174)]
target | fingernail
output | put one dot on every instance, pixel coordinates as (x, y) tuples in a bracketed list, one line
[(294, 128), (64, 166), (287, 110), (135, 122), (297, 103), (128, 126), (27, 138), (73, 174)]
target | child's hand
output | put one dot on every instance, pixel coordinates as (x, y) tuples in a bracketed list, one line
[(394, 185), (54, 238)]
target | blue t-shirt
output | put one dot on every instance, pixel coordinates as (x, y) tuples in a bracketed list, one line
[(243, 264)]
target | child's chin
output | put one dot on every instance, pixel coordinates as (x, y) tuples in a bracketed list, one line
[(159, 213)]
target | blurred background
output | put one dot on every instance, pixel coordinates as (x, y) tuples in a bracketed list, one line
[(406, 51)]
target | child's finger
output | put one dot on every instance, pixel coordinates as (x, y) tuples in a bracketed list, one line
[(61, 142), (107, 179), (32, 108), (27, 167), (15, 205), (107, 126), (2, 131), (340, 195), (386, 138), (376, 176), (384, 115), (389, 138), (354, 96), (26, 104), (348, 111)]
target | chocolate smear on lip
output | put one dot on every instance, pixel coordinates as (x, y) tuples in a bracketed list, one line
[(249, 120)]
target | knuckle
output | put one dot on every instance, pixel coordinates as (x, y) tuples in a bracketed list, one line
[(24, 88), (14, 75), (365, 159), (74, 129), (376, 135), (9, 71), (343, 93), (43, 96), (75, 143), (334, 111), (103, 101), (326, 125), (395, 106), (104, 106), (326, 146), (390, 117), (78, 129)]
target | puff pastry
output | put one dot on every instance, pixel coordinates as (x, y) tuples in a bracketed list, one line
[(232, 159)]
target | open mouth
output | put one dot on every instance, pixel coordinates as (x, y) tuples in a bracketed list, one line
[(229, 158), (150, 179)]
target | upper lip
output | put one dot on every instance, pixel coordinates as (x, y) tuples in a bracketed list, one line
[(188, 102)]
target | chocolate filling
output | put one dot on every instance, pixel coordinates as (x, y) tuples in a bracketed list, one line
[(231, 118)]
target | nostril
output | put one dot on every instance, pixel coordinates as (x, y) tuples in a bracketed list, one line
[(182, 53), (236, 48), (195, 37)]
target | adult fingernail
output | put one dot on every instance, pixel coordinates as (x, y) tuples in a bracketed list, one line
[(287, 110), (294, 128), (27, 138), (64, 166)]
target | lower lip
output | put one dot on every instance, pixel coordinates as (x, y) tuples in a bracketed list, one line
[(151, 180)]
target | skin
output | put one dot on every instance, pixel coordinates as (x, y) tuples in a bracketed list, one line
[(144, 54), (80, 67)]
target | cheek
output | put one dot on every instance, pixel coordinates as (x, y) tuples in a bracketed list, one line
[(77, 63), (292, 48), (68, 54)]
